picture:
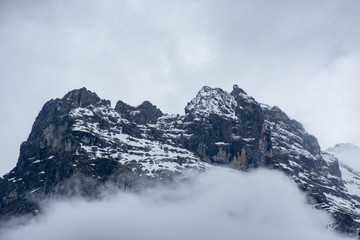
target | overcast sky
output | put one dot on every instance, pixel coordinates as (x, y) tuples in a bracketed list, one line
[(301, 55)]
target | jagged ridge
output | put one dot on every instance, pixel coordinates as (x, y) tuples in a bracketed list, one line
[(81, 137)]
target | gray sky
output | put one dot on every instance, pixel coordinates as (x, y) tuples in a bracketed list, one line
[(301, 55)]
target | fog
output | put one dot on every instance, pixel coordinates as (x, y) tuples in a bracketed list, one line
[(219, 204)]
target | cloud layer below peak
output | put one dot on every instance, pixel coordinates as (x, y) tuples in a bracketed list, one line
[(220, 204)]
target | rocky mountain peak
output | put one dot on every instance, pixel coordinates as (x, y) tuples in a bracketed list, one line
[(82, 137), (237, 90), (241, 96), (343, 147), (122, 107), (145, 113), (55, 113), (212, 101), (349, 155), (81, 98)]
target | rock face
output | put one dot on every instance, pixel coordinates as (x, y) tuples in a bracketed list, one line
[(348, 156), (143, 114), (79, 144)]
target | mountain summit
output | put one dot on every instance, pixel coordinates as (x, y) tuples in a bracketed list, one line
[(79, 143)]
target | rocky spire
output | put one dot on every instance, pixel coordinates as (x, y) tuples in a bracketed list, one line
[(81, 98), (237, 90), (145, 113)]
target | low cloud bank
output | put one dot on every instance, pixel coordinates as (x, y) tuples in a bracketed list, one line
[(220, 204)]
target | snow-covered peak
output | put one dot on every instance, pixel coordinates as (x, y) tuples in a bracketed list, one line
[(340, 147), (329, 158), (349, 160), (347, 153), (212, 101)]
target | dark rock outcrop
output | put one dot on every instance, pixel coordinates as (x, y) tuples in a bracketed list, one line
[(143, 114)]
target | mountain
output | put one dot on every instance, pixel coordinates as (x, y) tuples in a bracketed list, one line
[(347, 153), (79, 144), (348, 156)]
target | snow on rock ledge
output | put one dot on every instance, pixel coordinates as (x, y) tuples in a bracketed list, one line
[(212, 101)]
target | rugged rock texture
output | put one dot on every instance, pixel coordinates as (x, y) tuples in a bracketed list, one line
[(143, 114), (317, 173), (79, 143), (347, 157)]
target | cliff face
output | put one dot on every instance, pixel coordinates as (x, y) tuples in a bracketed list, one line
[(80, 143)]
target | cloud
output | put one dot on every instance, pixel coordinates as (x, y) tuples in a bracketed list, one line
[(219, 204)]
